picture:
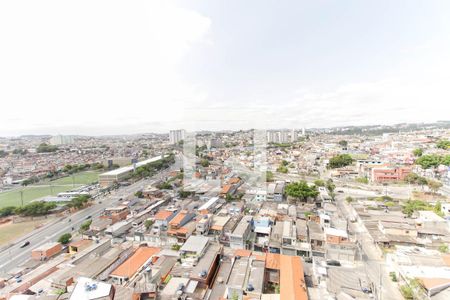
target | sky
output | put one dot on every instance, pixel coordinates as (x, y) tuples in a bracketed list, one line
[(123, 67)]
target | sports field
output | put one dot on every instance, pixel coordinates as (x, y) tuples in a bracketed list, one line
[(46, 188)]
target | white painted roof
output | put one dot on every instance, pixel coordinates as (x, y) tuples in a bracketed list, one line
[(80, 291)]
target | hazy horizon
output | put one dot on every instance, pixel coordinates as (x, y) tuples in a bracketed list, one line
[(217, 130)]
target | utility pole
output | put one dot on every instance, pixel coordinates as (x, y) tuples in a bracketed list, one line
[(21, 197), (381, 294), (73, 180)]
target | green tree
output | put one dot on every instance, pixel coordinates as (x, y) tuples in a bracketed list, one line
[(229, 197), (418, 152), (443, 144), (343, 143), (319, 182), (438, 209), (339, 161), (148, 224), (364, 180), (184, 194), (35, 209), (3, 153), (45, 148), (407, 292), (85, 225), (65, 238), (204, 163), (79, 201), (164, 186), (443, 248), (349, 199), (301, 190), (282, 169), (433, 160), (412, 206), (139, 194), (176, 247), (330, 185), (7, 211), (434, 185), (411, 178), (269, 176), (20, 151)]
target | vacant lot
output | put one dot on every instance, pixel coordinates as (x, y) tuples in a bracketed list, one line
[(10, 232), (46, 188)]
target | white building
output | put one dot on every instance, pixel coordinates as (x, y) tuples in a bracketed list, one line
[(294, 136), (175, 136), (283, 137), (272, 137), (61, 140)]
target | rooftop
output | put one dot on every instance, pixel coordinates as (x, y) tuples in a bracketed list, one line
[(195, 243), (292, 280), (87, 289), (128, 268)]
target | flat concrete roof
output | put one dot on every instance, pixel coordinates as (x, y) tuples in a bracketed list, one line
[(195, 243), (256, 278), (242, 226), (238, 273)]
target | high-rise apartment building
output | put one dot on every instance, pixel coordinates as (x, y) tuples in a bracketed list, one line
[(175, 136), (61, 140)]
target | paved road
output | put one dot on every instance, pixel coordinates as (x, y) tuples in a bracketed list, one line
[(14, 256), (374, 264)]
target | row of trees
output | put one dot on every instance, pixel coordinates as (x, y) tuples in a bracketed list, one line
[(412, 206), (433, 160), (443, 144), (71, 169), (31, 180), (433, 185), (152, 168), (41, 208), (79, 202), (3, 153), (35, 209)]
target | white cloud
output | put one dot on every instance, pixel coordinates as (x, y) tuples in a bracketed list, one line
[(94, 67), (74, 66)]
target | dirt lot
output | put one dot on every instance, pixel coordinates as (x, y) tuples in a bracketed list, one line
[(9, 231)]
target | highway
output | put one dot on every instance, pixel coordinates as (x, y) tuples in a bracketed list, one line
[(15, 256)]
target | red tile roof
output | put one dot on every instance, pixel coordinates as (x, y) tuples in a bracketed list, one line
[(178, 218), (163, 215), (128, 268), (292, 279), (273, 261), (242, 253)]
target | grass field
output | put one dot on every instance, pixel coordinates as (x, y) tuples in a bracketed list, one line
[(46, 188), (10, 231)]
